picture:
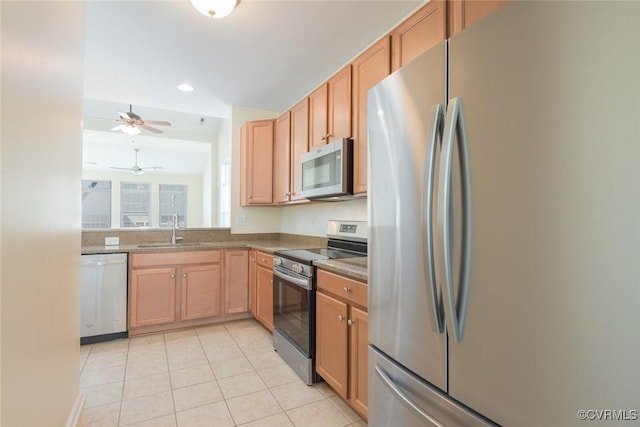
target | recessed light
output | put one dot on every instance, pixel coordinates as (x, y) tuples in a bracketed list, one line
[(185, 87)]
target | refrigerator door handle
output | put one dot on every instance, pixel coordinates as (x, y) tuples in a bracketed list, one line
[(434, 133), (455, 125), (410, 403)]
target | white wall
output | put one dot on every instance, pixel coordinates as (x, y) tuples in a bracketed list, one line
[(42, 85), (257, 219), (195, 193)]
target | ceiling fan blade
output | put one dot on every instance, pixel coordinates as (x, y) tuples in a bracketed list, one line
[(157, 122), (149, 128), (155, 168), (124, 169), (124, 115)]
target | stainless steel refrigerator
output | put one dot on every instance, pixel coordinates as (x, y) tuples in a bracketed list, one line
[(504, 223)]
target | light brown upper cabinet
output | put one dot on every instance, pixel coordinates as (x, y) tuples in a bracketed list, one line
[(462, 14), (421, 31), (318, 124), (330, 110), (282, 159), (299, 146), (368, 69), (339, 111), (292, 139), (256, 159)]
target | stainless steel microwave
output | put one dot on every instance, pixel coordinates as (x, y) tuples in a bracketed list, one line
[(327, 171)]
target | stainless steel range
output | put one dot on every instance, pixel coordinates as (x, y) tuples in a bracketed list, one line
[(294, 293)]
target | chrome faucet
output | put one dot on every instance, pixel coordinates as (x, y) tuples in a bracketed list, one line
[(175, 226)]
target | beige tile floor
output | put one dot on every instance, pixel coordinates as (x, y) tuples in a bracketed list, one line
[(221, 375)]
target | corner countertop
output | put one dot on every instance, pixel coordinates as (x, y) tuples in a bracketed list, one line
[(354, 268)]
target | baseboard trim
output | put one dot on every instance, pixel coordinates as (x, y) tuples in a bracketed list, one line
[(74, 416)]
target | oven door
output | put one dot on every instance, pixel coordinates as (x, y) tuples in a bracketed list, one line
[(294, 309)]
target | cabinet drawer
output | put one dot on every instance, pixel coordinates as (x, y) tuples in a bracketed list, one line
[(265, 260), (347, 289), (175, 258)]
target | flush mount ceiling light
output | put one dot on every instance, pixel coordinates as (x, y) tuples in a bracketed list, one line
[(215, 8), (185, 87)]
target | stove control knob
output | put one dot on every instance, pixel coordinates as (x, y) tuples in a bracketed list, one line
[(277, 261), (297, 268)]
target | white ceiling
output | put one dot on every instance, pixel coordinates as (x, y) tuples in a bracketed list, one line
[(266, 54)]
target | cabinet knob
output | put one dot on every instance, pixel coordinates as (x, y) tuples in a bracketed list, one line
[(347, 290), (350, 322), (323, 138), (248, 197), (341, 318), (328, 136), (173, 276), (184, 275)]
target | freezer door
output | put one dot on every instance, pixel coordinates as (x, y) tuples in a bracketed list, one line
[(399, 398), (551, 97), (405, 320)]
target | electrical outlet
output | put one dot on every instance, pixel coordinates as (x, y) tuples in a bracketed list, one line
[(110, 241), (241, 220)]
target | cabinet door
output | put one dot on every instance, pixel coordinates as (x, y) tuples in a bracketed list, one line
[(339, 106), (200, 291), (318, 125), (331, 342), (282, 159), (418, 33), (358, 342), (259, 162), (252, 281), (368, 69), (236, 281), (463, 13), (299, 145), (152, 298), (264, 292)]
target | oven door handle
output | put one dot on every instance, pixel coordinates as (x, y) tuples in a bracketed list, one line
[(302, 283)]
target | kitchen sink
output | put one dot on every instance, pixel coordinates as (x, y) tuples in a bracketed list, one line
[(169, 245)]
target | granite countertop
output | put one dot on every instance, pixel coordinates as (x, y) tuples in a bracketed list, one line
[(269, 246), (355, 268)]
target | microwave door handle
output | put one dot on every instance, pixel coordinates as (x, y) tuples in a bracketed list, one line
[(454, 125), (433, 135)]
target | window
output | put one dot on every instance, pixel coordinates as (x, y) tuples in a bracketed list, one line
[(173, 200), (96, 204), (135, 204)]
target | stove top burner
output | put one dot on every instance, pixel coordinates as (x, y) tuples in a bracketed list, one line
[(315, 254)]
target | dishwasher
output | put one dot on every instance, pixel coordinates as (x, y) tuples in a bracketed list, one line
[(103, 297)]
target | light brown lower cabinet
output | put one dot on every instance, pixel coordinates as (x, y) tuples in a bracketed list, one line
[(341, 338), (186, 288), (264, 292), (261, 287), (200, 291), (152, 296), (253, 267)]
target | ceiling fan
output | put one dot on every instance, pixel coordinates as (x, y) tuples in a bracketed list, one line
[(131, 123), (135, 169)]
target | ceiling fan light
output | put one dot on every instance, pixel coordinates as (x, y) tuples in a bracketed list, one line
[(214, 8), (130, 130)]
